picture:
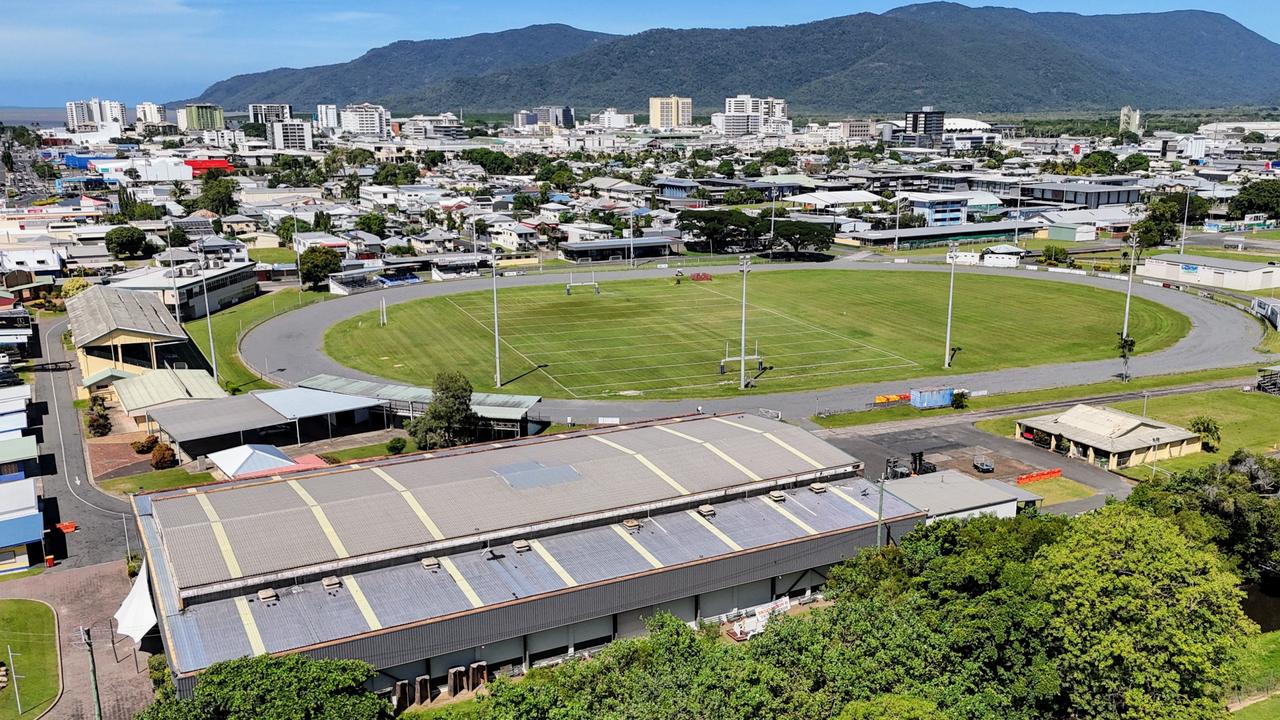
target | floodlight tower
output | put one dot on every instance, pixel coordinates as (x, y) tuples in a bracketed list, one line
[(497, 341), (1126, 343), (897, 217), (744, 265), (1186, 212), (951, 295)]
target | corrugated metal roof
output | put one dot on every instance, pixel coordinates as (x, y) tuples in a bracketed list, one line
[(220, 416), (100, 310), (949, 491), (17, 498), (493, 406), (165, 385), (19, 449), (21, 530), (1109, 429), (250, 459), (300, 402)]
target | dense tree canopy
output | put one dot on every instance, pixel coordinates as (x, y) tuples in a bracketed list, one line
[(318, 263), (1259, 196), (448, 419), (375, 223), (125, 241)]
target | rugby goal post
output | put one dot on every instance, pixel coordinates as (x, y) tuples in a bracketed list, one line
[(569, 286)]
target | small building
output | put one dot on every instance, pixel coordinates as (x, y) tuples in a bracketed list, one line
[(951, 494), (183, 287), (118, 332), (246, 461), (585, 251), (938, 209), (21, 526), (1090, 195), (1211, 272), (143, 393), (1108, 438)]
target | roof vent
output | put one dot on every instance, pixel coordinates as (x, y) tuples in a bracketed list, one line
[(631, 524), (706, 511), (431, 563), (777, 496), (268, 595), (818, 488), (331, 582), (522, 546)]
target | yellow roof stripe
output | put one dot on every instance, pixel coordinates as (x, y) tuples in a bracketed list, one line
[(550, 559), (644, 461), (740, 426), (361, 601), (787, 514), (220, 536), (777, 441), (323, 520), (714, 530), (720, 453), (463, 585), (414, 505), (635, 545), (250, 626), (849, 499)]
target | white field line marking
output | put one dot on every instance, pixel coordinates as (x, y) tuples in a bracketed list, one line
[(726, 382), (690, 377), (704, 353), (816, 327), (690, 364), (516, 351)]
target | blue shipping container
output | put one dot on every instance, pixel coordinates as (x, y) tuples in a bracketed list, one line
[(926, 398)]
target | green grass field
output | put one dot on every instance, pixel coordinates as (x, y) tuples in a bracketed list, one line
[(273, 255), (28, 628), (1059, 490), (366, 451), (1265, 710), (154, 480), (1248, 420), (230, 324), (815, 329)]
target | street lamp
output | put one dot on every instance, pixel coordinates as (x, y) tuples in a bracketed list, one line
[(951, 295)]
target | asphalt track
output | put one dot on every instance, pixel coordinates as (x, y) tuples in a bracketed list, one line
[(290, 347)]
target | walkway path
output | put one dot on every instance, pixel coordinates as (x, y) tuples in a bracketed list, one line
[(290, 347)]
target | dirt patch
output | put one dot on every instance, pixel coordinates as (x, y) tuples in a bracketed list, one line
[(1007, 468)]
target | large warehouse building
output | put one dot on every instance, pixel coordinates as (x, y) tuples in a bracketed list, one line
[(442, 568)]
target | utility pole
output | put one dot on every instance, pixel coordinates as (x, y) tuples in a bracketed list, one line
[(889, 464), (497, 342), (13, 675), (744, 264), (1186, 212), (86, 637), (297, 254), (951, 295)]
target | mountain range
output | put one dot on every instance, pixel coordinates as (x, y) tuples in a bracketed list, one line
[(959, 58)]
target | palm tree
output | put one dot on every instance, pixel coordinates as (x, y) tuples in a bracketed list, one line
[(179, 190)]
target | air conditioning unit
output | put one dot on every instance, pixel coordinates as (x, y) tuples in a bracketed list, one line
[(331, 582), (818, 488), (268, 595), (777, 496), (631, 524), (706, 511), (522, 546), (431, 563)]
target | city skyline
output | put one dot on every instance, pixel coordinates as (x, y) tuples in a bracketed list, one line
[(127, 41)]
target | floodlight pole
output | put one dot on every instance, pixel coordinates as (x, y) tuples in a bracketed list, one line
[(497, 342), (1017, 222), (208, 317), (297, 254), (951, 294), (744, 263), (1128, 297), (1186, 212), (897, 218)]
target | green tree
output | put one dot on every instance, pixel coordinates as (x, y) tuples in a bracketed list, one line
[(292, 687), (1259, 196), (254, 130), (132, 173), (351, 187), (1134, 162), (1146, 623), (373, 222), (725, 168), (74, 286), (178, 237), (6, 158), (752, 170), (318, 263), (781, 157), (1208, 429), (1253, 138), (322, 221), (1129, 137), (1055, 254), (1098, 162), (178, 190), (523, 206), (290, 225), (448, 419), (563, 179), (217, 194), (125, 241), (891, 707), (800, 236)]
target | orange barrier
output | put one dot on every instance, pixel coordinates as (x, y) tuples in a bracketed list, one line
[(67, 527), (700, 277), (897, 398), (1040, 475)]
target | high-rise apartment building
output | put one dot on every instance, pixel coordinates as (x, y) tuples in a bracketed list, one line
[(855, 129), (149, 113), (612, 119), (200, 116), (291, 135), (666, 113), (95, 111), (267, 113), (327, 117), (769, 107), (926, 125), (365, 119), (1130, 120)]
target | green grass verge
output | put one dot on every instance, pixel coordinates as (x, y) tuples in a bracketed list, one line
[(461, 710), (816, 329), (229, 324), (1265, 710), (21, 574), (1001, 426), (365, 451), (28, 628), (154, 480), (1030, 397), (1059, 490), (1248, 420), (1260, 664), (273, 256)]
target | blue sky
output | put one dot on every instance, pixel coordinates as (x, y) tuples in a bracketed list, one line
[(161, 50)]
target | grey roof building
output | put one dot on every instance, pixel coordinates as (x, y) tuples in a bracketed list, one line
[(505, 554)]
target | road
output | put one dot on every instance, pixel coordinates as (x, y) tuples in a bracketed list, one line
[(290, 348), (68, 494)]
